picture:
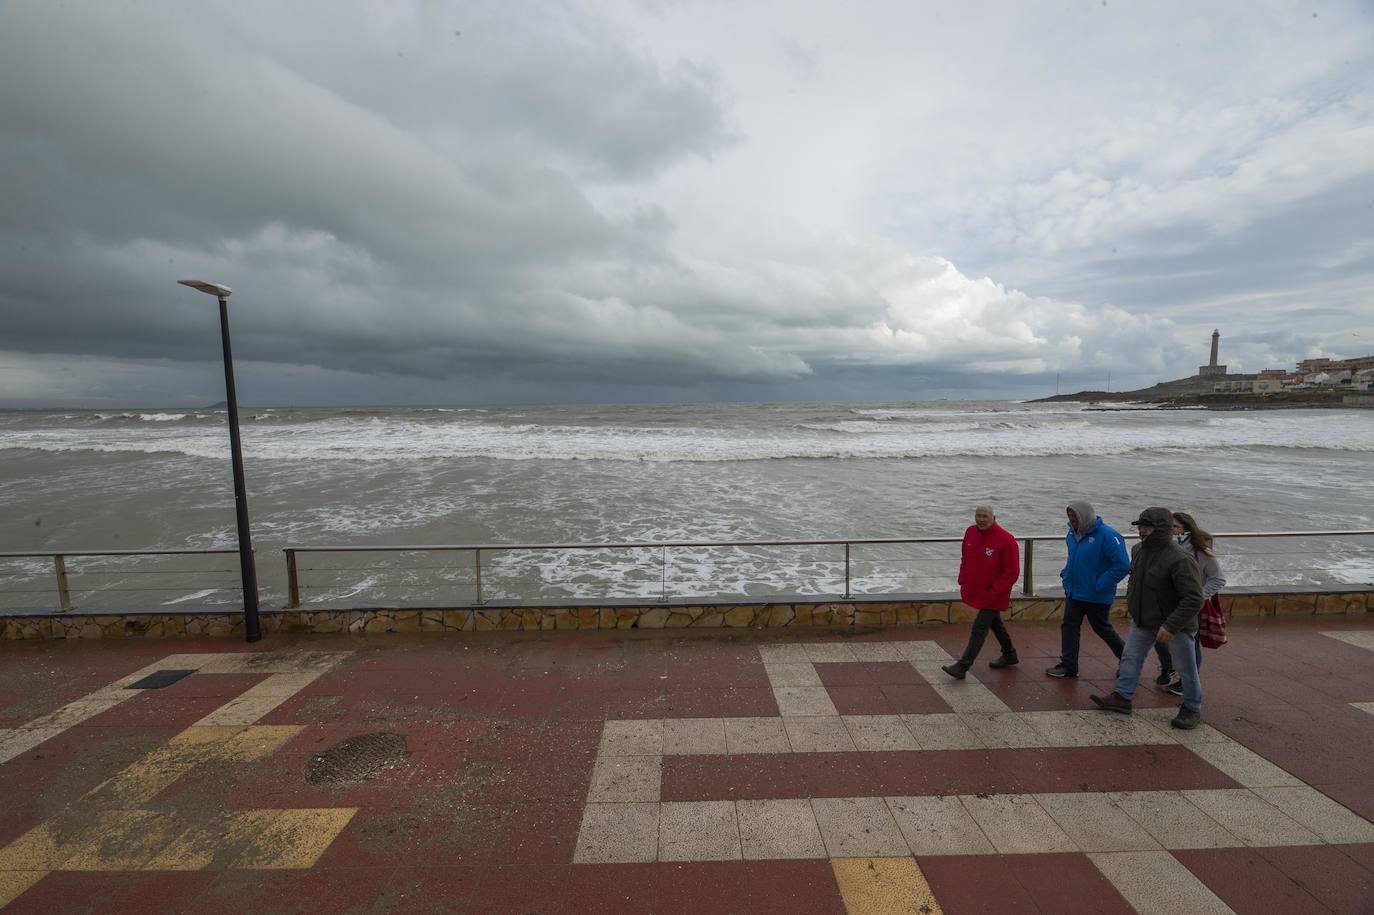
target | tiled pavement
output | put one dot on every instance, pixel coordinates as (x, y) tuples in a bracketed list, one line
[(658, 772)]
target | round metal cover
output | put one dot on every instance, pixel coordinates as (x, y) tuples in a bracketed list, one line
[(355, 760)]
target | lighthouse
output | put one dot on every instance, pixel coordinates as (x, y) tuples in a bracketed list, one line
[(1211, 369)]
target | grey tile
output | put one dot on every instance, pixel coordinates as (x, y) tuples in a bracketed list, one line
[(1016, 824), (1173, 820), (792, 673), (1060, 729), (935, 825), (774, 829), (1094, 823), (926, 650), (818, 735), (693, 736), (643, 737), (623, 779), (880, 732), (1156, 881), (1315, 811), (876, 651), (1245, 766), (829, 652), (971, 698), (783, 653), (1002, 730), (698, 831), (943, 731), (1251, 818), (805, 701), (618, 834), (855, 827), (755, 735)]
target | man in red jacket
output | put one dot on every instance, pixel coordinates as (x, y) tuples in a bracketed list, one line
[(990, 567)]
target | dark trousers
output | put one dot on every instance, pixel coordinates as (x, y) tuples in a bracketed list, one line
[(1075, 611), (985, 620)]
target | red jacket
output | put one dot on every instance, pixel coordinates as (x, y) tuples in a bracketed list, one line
[(990, 567)]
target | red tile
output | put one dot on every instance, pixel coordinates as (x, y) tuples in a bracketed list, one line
[(536, 890), (1065, 883), (975, 885), (1247, 882), (867, 699), (81, 892), (788, 887), (701, 888), (1134, 768), (849, 673), (613, 889), (733, 702), (1362, 854), (542, 831), (1326, 873), (294, 892), (913, 699)]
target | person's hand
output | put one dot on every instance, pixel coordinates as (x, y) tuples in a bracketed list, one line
[(1164, 636)]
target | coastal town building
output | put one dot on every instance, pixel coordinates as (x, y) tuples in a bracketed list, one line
[(1318, 373)]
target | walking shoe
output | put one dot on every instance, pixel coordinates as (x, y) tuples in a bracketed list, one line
[(1113, 703), (1006, 660), (1175, 686), (955, 670), (1059, 670), (1187, 718), (1165, 675)]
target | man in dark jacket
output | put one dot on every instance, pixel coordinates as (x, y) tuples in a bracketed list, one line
[(990, 565), (1096, 562), (1164, 597)]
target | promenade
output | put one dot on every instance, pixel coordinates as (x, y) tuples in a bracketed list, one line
[(734, 771)]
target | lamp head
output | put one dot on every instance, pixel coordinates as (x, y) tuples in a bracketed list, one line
[(214, 289)]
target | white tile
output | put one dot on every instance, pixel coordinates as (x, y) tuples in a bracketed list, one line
[(1121, 730), (964, 696), (626, 779), (1360, 638), (880, 732), (698, 831), (805, 701), (755, 735), (938, 825), (1315, 811), (784, 653), (641, 737), (855, 827), (942, 731), (825, 734), (618, 834), (1173, 820), (876, 651), (1246, 767), (1060, 729), (829, 652), (693, 736), (792, 673), (1364, 706), (927, 650), (1016, 824), (1251, 818), (1094, 823), (776, 829), (1160, 718), (1002, 730), (1156, 881)]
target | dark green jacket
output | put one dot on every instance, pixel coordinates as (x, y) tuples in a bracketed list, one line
[(1165, 586)]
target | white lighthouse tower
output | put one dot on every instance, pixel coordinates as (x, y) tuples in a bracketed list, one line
[(1211, 369)]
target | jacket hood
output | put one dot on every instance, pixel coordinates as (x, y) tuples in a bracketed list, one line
[(1086, 516), (1162, 520)]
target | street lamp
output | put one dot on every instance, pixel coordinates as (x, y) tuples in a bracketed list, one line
[(248, 572)]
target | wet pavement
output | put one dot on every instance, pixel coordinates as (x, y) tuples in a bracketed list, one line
[(773, 771)]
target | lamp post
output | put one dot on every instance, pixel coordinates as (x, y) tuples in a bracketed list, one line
[(248, 572)]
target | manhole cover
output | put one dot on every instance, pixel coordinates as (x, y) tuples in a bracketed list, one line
[(160, 679), (356, 759)]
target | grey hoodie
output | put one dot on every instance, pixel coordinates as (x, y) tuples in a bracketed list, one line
[(1086, 517)]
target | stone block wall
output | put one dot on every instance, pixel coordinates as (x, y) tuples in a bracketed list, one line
[(826, 614)]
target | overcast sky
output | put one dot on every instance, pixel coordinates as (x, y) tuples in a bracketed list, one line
[(423, 202)]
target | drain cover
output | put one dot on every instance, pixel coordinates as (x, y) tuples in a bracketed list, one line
[(355, 760), (159, 679)]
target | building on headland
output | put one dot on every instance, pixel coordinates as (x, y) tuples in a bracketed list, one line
[(1211, 369), (1319, 373)]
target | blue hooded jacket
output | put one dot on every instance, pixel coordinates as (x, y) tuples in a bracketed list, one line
[(1097, 558)]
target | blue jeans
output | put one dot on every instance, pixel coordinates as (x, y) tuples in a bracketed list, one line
[(1070, 629), (1182, 651), (1166, 662)]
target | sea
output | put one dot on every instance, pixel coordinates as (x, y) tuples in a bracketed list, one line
[(706, 475)]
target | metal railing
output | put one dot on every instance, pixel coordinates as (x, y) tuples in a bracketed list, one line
[(1027, 560), (59, 558)]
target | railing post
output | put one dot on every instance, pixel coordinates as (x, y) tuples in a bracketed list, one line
[(293, 585), (64, 596), (1028, 569), (663, 584), (846, 572), (477, 567)]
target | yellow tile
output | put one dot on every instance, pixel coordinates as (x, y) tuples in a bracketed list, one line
[(200, 845), (122, 840), (255, 742), (883, 886), (291, 838), (39, 849), (14, 883), (197, 735), (140, 782)]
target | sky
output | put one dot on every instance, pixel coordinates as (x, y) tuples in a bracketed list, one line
[(664, 201)]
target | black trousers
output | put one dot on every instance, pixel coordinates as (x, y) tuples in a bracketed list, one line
[(985, 620)]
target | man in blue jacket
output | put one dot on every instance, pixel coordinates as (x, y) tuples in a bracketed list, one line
[(1097, 561)]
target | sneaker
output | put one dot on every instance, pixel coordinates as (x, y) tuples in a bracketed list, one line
[(955, 670), (1006, 660), (1175, 686), (1113, 703), (1186, 719), (1165, 675), (1059, 670)]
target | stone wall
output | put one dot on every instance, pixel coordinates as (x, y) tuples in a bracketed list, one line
[(832, 614)]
